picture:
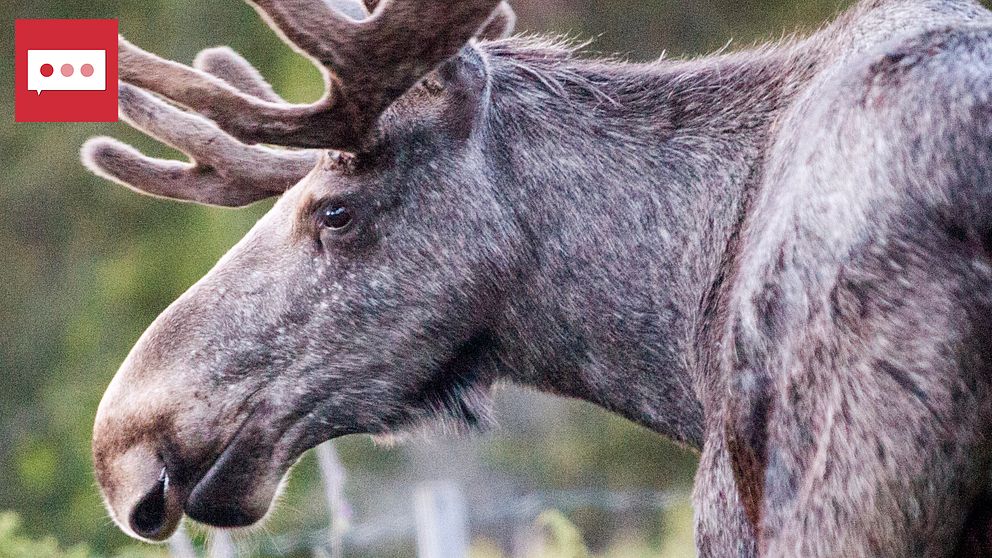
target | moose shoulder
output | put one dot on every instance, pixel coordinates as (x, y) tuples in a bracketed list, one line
[(779, 256)]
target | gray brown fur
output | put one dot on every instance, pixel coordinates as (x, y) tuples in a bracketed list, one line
[(782, 257)]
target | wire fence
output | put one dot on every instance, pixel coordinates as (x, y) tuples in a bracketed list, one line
[(438, 520)]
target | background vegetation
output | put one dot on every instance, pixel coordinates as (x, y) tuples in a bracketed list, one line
[(85, 266)]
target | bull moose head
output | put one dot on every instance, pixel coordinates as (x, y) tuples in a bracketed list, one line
[(363, 302)]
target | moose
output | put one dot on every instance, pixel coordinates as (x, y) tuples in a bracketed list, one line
[(779, 256)]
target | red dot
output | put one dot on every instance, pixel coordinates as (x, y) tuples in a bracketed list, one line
[(66, 70), (86, 70), (47, 70)]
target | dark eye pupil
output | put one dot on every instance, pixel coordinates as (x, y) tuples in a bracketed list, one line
[(335, 217)]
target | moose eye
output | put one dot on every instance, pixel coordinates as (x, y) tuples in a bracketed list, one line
[(334, 216)]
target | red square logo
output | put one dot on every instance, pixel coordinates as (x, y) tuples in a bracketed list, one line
[(65, 70)]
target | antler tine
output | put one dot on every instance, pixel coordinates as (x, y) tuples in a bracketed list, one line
[(367, 64), (224, 171), (231, 67)]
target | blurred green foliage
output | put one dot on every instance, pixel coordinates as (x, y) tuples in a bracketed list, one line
[(86, 266), (15, 544), (564, 539)]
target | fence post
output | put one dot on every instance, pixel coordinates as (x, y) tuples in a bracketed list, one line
[(332, 476), (442, 525), (526, 539), (221, 545), (179, 544)]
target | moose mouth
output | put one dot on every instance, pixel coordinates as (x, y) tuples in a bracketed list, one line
[(225, 494), (233, 490)]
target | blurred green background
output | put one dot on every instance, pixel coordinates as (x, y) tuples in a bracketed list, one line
[(85, 266)]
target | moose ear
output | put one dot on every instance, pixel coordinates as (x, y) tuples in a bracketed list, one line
[(464, 80), (354, 9), (500, 24)]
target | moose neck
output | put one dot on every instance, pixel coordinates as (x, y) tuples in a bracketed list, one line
[(631, 183)]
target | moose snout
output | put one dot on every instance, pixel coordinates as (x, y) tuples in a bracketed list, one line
[(170, 440), (158, 459)]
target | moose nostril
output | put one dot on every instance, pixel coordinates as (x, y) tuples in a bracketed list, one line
[(148, 518)]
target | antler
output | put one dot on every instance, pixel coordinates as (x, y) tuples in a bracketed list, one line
[(367, 64), (225, 87), (224, 171)]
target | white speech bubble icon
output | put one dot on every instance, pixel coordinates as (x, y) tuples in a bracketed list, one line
[(67, 70)]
